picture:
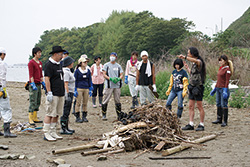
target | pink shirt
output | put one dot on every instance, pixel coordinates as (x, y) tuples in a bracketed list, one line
[(99, 79)]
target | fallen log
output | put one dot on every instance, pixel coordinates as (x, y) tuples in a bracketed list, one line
[(126, 127), (183, 147), (96, 151), (76, 148), (174, 158)]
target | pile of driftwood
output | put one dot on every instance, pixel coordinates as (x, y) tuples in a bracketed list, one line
[(150, 127)]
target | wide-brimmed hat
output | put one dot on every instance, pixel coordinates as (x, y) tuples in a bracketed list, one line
[(56, 49), (82, 60), (67, 61)]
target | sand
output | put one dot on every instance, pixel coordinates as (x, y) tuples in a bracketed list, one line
[(231, 148)]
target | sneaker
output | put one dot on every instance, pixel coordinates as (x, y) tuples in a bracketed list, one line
[(100, 105), (200, 128), (188, 127), (94, 106)]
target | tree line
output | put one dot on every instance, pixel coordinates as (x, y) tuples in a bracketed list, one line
[(123, 32)]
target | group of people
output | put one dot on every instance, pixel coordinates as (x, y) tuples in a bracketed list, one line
[(62, 82)]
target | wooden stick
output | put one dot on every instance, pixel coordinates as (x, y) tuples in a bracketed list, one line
[(173, 158), (115, 151), (141, 153), (159, 146), (181, 147), (96, 151), (126, 127), (71, 149)]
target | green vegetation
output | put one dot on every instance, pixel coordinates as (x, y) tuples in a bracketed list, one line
[(238, 99), (122, 32)]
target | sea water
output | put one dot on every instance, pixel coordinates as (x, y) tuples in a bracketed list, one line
[(17, 73)]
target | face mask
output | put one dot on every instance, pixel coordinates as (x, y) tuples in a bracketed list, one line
[(112, 58)]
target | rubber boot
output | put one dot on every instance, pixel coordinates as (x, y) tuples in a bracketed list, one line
[(53, 131), (47, 136), (94, 102), (78, 119), (7, 131), (64, 130), (67, 127), (104, 111), (225, 114), (84, 116), (136, 102), (35, 119), (74, 107), (100, 101), (118, 111), (219, 116), (31, 122), (179, 112), (133, 102)]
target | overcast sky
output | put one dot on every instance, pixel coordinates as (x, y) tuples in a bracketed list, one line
[(23, 21)]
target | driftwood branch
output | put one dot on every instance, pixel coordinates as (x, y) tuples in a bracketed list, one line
[(96, 151), (127, 127), (76, 148), (183, 147)]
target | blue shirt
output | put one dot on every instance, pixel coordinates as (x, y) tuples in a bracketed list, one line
[(178, 79), (83, 78)]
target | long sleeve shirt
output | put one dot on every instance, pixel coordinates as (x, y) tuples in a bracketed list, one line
[(35, 70), (223, 77), (83, 78), (3, 72)]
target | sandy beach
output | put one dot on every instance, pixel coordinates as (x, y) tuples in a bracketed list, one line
[(230, 148)]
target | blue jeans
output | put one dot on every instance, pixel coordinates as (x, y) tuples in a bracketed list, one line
[(171, 97), (220, 102)]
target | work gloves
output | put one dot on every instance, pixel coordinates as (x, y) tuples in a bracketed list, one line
[(154, 88), (33, 85), (115, 79), (43, 85), (137, 88), (90, 91), (75, 92), (3, 93), (49, 97), (213, 91), (126, 79), (225, 93), (67, 97)]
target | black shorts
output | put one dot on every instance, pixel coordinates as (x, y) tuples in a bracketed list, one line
[(196, 92)]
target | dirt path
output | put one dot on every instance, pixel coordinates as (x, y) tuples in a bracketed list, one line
[(231, 148)]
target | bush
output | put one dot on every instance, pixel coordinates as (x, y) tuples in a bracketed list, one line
[(162, 83), (237, 99)]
